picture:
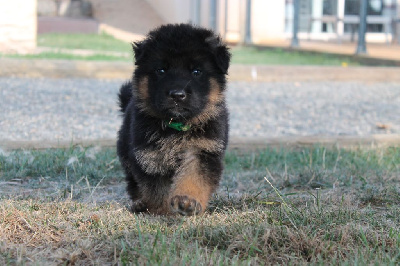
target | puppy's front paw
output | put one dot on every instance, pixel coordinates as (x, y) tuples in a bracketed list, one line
[(185, 205)]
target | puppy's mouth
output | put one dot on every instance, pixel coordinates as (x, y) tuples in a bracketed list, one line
[(175, 109), (178, 111)]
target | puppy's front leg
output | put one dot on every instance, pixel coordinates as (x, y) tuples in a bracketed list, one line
[(190, 190)]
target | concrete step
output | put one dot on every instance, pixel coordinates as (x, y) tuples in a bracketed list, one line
[(135, 16)]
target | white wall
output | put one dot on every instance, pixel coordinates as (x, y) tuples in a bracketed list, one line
[(268, 20), (18, 25), (234, 28)]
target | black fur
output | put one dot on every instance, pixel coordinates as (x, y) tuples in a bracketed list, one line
[(179, 77), (125, 95)]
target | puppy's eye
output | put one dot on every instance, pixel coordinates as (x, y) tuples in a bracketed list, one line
[(160, 71), (196, 72)]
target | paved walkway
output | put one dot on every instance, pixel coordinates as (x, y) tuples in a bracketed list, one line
[(46, 111)]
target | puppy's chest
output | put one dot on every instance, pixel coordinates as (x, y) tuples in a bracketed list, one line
[(166, 154)]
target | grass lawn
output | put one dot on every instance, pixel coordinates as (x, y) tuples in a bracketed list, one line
[(241, 55), (98, 42), (66, 56), (285, 206), (275, 56)]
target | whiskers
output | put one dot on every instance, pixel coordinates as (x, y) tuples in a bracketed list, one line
[(187, 84)]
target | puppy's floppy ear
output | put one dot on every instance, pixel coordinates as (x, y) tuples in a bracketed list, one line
[(138, 49), (221, 53)]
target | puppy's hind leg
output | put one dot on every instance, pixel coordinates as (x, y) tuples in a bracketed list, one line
[(133, 190), (155, 195)]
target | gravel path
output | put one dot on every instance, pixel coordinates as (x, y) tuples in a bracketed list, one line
[(66, 109)]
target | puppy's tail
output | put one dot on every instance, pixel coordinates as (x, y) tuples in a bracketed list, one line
[(125, 95)]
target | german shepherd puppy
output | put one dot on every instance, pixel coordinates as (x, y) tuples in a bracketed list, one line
[(175, 122)]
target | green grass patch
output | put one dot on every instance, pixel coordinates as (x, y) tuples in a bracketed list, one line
[(103, 43), (275, 56), (66, 56), (97, 42), (274, 206)]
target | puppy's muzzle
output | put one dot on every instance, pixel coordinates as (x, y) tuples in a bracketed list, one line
[(177, 95)]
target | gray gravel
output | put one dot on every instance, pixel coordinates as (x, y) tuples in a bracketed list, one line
[(67, 109)]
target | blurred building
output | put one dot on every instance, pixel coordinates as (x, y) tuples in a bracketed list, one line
[(18, 25), (228, 17), (237, 21), (272, 20), (338, 19), (262, 21)]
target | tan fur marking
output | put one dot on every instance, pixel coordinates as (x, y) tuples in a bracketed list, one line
[(155, 162), (216, 95), (142, 94), (143, 88), (211, 110), (168, 151), (209, 145), (190, 183), (182, 143)]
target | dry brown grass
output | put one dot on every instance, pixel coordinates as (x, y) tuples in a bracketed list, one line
[(71, 232), (354, 222)]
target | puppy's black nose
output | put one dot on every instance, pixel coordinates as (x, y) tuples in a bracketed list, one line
[(177, 95)]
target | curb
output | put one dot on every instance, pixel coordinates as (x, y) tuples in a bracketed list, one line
[(264, 73), (363, 59), (36, 68), (373, 141)]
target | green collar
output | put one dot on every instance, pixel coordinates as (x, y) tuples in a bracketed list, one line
[(178, 126)]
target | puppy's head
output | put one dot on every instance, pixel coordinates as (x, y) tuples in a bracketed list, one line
[(180, 73)]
